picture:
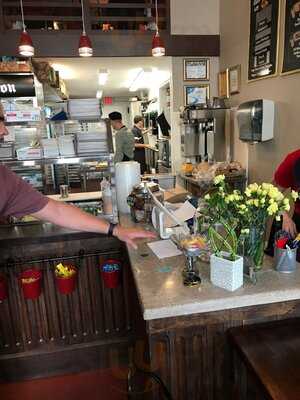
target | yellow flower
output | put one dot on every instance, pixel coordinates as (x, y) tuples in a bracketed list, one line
[(273, 192), (243, 207), (207, 196), (248, 192), (219, 179), (295, 195), (256, 202), (245, 231), (272, 209), (287, 207), (253, 187), (278, 218), (262, 201), (266, 186), (286, 201)]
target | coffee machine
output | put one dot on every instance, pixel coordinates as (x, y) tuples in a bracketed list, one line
[(203, 133)]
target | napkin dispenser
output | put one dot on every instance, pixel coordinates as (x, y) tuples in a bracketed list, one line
[(256, 120)]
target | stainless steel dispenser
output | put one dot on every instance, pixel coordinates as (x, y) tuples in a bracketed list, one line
[(203, 133)]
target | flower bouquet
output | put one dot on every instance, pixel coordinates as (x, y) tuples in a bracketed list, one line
[(246, 213)]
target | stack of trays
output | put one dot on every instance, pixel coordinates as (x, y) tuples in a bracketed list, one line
[(91, 143), (50, 148), (66, 146), (84, 108)]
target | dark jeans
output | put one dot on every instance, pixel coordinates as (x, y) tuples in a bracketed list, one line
[(140, 157), (277, 226)]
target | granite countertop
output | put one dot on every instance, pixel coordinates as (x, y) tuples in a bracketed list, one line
[(162, 294)]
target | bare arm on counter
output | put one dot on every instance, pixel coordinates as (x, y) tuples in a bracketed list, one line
[(72, 217)]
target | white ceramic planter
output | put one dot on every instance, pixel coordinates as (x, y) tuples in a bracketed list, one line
[(225, 273)]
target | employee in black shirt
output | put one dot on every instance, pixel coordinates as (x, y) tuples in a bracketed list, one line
[(139, 151)]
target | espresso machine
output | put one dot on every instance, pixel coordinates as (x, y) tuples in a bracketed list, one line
[(203, 133)]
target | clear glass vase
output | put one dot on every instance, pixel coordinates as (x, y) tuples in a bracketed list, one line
[(254, 247)]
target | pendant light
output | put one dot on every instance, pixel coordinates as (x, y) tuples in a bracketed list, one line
[(158, 48), (25, 48), (85, 46)]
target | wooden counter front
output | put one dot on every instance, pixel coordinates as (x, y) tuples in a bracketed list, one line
[(59, 334)]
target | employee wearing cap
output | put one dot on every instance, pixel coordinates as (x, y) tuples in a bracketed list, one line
[(124, 138), (287, 176)]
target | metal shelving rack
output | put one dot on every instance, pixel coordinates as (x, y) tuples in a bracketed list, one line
[(74, 160)]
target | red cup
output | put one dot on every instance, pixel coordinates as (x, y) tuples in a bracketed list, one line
[(3, 288), (66, 285), (31, 290), (111, 279)]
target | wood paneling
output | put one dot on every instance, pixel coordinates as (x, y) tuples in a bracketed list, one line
[(113, 44), (192, 353), (55, 326)]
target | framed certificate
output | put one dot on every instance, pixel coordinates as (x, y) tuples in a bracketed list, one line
[(234, 76), (196, 94), (196, 69), (223, 84)]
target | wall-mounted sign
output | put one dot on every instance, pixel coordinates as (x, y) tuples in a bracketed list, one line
[(291, 58), (13, 85), (263, 38)]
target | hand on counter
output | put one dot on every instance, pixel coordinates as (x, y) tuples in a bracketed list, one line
[(129, 235)]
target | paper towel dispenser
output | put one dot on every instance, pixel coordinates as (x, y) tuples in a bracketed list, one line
[(256, 120)]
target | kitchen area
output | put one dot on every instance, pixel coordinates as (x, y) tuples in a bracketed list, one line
[(182, 314)]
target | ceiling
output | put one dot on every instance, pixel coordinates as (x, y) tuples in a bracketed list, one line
[(81, 74)]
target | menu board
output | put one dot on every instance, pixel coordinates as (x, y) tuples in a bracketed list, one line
[(291, 58), (263, 38)]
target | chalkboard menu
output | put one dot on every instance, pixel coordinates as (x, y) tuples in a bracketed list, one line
[(263, 38), (291, 58)]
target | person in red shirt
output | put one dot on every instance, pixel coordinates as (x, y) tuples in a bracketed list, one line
[(287, 176), (18, 198)]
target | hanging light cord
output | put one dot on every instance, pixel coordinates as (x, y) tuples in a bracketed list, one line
[(22, 13), (156, 15), (82, 13)]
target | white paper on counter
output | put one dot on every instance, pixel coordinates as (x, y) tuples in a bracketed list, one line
[(164, 249)]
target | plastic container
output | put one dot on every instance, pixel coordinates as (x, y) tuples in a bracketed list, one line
[(3, 288), (285, 260), (106, 197), (111, 273), (66, 285), (33, 288)]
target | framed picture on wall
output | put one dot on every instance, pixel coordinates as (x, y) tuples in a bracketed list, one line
[(234, 76), (223, 84), (196, 94), (196, 69)]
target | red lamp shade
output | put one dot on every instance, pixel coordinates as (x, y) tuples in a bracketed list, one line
[(25, 48), (85, 46), (158, 47)]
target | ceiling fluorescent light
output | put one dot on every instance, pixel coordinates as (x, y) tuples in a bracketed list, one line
[(99, 94), (102, 76)]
